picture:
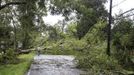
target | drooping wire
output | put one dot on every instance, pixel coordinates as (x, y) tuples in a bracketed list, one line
[(118, 3)]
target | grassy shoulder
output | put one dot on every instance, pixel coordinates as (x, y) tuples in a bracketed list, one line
[(17, 69)]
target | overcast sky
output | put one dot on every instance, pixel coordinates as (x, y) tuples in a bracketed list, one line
[(52, 19), (124, 5)]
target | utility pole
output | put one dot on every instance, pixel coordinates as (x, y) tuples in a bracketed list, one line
[(109, 29)]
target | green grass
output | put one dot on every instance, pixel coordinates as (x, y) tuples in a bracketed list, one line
[(17, 69)]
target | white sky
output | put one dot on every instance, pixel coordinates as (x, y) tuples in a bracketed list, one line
[(124, 6), (52, 19)]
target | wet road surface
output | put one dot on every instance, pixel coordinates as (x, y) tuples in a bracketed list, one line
[(54, 65)]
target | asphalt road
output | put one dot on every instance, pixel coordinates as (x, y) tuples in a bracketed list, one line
[(54, 65)]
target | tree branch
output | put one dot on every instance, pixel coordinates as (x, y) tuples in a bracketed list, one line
[(126, 12), (11, 3)]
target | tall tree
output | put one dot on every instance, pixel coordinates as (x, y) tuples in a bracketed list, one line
[(30, 16), (88, 12)]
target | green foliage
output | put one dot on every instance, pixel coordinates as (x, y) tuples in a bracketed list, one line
[(123, 42), (5, 39), (23, 17), (1, 57), (8, 57), (90, 15), (96, 34), (71, 30), (88, 12), (68, 46), (54, 34), (97, 62)]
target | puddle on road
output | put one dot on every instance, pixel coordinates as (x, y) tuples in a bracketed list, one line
[(54, 65)]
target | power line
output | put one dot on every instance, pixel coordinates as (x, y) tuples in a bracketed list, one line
[(126, 12), (124, 16), (118, 3), (121, 15)]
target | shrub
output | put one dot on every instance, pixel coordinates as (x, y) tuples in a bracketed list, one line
[(1, 59), (9, 57), (97, 62)]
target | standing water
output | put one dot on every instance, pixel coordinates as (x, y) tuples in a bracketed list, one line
[(54, 65)]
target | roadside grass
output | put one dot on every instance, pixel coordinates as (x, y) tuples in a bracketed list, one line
[(17, 69)]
